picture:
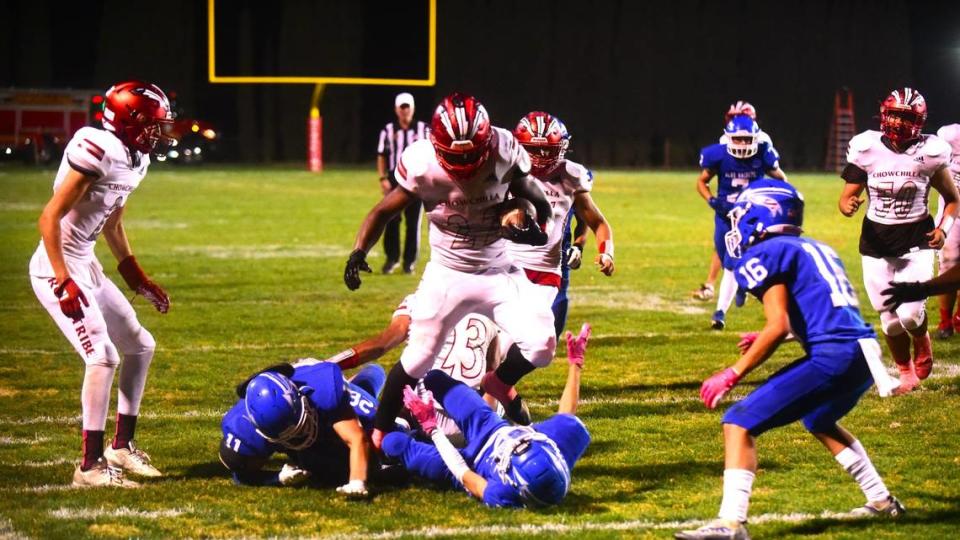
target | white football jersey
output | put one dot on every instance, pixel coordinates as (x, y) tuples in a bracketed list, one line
[(951, 135), (561, 185), (897, 183), (464, 214), (99, 154), (762, 137)]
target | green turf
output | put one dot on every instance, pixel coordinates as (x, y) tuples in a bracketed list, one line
[(253, 260)]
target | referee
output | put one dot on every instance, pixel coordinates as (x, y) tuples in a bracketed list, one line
[(394, 138)]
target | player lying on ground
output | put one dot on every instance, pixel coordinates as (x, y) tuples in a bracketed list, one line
[(502, 465), (793, 277), (706, 290), (99, 172), (735, 164), (308, 411), (463, 175), (897, 166)]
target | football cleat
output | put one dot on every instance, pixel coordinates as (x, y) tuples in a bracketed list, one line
[(944, 330), (908, 377), (704, 293), (102, 475), (718, 321), (131, 459), (922, 356), (892, 507), (718, 529), (409, 268), (390, 266)]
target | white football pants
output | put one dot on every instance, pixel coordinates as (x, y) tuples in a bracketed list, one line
[(877, 275)]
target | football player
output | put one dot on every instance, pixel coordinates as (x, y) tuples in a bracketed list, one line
[(706, 290), (463, 175), (949, 255), (567, 185), (735, 164), (803, 287), (897, 166), (502, 465), (98, 174), (310, 412)]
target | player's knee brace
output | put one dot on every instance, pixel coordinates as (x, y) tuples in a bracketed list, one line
[(911, 315), (890, 324)]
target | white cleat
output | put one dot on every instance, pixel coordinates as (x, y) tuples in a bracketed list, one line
[(718, 529), (102, 475), (131, 459), (892, 508)]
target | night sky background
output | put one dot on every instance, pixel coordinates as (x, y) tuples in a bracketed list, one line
[(628, 77)]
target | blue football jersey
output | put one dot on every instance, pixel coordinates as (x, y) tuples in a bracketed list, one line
[(733, 174), (823, 306), (333, 398)]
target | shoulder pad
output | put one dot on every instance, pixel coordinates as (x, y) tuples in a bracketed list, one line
[(580, 178), (326, 380), (416, 158), (951, 134), (862, 142), (936, 147)]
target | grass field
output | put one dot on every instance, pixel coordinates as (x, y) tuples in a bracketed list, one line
[(253, 260)]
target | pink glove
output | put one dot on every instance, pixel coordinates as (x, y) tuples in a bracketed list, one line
[(713, 389), (576, 348), (422, 410), (746, 341)]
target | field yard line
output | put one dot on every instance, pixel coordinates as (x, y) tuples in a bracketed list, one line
[(44, 419), (7, 441), (187, 348), (632, 525), (121, 512), (41, 464), (7, 532), (43, 488)]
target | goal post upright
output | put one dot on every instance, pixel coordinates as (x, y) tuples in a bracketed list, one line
[(315, 118)]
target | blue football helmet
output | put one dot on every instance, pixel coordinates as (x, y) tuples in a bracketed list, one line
[(743, 136), (766, 206), (281, 411), (533, 464)]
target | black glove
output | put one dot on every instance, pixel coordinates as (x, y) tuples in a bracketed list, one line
[(902, 292), (356, 263), (532, 234)]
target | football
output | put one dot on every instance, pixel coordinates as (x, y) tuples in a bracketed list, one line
[(518, 213)]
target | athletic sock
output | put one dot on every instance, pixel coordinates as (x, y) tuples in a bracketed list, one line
[(855, 461), (391, 400), (514, 367), (92, 448), (126, 426), (728, 289), (737, 484)]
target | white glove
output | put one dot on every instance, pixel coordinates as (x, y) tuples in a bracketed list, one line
[(574, 257), (291, 475), (354, 489)]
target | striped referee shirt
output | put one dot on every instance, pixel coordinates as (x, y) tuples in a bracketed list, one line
[(394, 139)]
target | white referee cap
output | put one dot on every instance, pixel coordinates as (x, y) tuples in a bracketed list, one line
[(405, 98)]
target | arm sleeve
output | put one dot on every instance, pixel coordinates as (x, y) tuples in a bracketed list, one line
[(381, 145), (853, 174)]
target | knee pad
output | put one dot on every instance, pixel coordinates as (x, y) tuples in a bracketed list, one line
[(109, 356), (542, 355), (890, 324), (142, 343), (395, 444), (912, 315)]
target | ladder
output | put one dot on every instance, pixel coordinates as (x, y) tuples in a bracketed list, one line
[(842, 129)]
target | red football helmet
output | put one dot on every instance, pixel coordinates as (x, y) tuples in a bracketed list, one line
[(740, 107), (461, 133), (545, 138), (137, 113), (902, 115)]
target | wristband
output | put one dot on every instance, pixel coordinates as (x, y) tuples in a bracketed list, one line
[(946, 223), (606, 248), (450, 455), (383, 178)]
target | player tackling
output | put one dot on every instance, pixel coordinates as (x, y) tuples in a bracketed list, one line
[(463, 175), (99, 171)]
